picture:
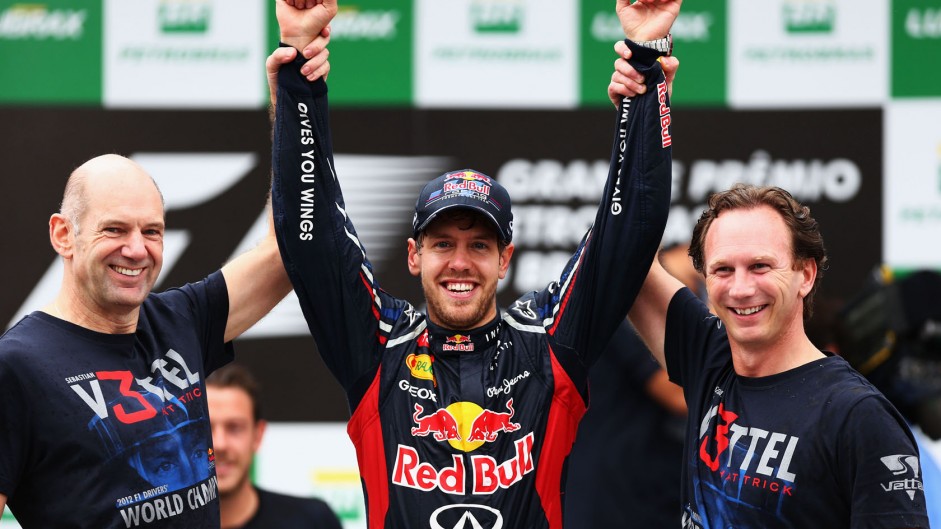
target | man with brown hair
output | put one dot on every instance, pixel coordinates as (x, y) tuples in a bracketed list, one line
[(780, 434), (234, 402)]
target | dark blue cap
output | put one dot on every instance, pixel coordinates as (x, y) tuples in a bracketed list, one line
[(467, 189)]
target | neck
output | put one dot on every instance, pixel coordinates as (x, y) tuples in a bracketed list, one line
[(761, 360), (75, 311), (239, 506)]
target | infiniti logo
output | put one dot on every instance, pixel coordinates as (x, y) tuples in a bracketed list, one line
[(466, 516)]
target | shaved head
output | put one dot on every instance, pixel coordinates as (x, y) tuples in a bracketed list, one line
[(102, 172)]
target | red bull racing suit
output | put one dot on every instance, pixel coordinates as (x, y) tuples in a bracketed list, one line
[(465, 429)]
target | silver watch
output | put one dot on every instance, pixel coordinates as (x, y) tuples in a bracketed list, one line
[(664, 45)]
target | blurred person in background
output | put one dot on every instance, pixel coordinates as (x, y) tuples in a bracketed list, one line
[(891, 333), (234, 401)]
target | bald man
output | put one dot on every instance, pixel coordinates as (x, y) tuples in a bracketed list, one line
[(103, 411)]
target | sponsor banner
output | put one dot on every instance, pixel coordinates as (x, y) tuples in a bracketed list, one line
[(496, 53), (555, 194), (370, 52), (916, 48), (50, 52), (184, 54), (912, 207), (785, 53), (699, 41), (328, 471)]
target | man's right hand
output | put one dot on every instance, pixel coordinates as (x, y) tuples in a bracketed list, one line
[(301, 21), (647, 19), (628, 82)]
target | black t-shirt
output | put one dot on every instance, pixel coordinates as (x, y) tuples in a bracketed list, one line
[(112, 431), (815, 446), (624, 469), (279, 511)]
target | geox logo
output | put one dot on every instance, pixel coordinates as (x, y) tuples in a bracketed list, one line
[(23, 21), (902, 465)]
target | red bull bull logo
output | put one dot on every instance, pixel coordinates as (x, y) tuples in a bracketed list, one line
[(469, 176), (458, 342), (489, 423), (464, 425), (440, 424)]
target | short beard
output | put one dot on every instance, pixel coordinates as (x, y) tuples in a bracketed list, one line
[(446, 317)]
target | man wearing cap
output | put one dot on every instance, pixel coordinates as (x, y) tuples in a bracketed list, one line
[(463, 416)]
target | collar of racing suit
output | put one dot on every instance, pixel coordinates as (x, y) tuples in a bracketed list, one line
[(444, 341)]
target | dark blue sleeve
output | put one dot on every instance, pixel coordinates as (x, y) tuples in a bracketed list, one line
[(600, 282), (323, 256), (206, 304), (695, 341)]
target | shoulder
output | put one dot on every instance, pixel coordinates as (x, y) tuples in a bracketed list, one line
[(297, 509), (526, 311), (27, 336), (187, 298)]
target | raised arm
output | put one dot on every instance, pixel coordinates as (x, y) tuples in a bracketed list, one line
[(649, 312), (256, 280)]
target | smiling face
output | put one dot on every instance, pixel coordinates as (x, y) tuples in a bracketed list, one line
[(115, 252), (236, 435), (460, 261), (755, 286)]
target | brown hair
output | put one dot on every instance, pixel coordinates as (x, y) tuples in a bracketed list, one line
[(806, 240), (235, 375)]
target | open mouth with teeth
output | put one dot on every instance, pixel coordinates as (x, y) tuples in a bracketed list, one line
[(461, 287), (133, 272), (749, 310)]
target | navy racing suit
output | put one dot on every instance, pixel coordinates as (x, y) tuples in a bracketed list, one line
[(472, 428)]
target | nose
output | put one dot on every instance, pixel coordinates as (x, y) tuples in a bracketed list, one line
[(219, 440), (460, 259), (742, 285), (135, 247)]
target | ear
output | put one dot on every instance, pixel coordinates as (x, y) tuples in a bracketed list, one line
[(414, 258), (505, 257), (808, 276), (260, 426), (61, 235)]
